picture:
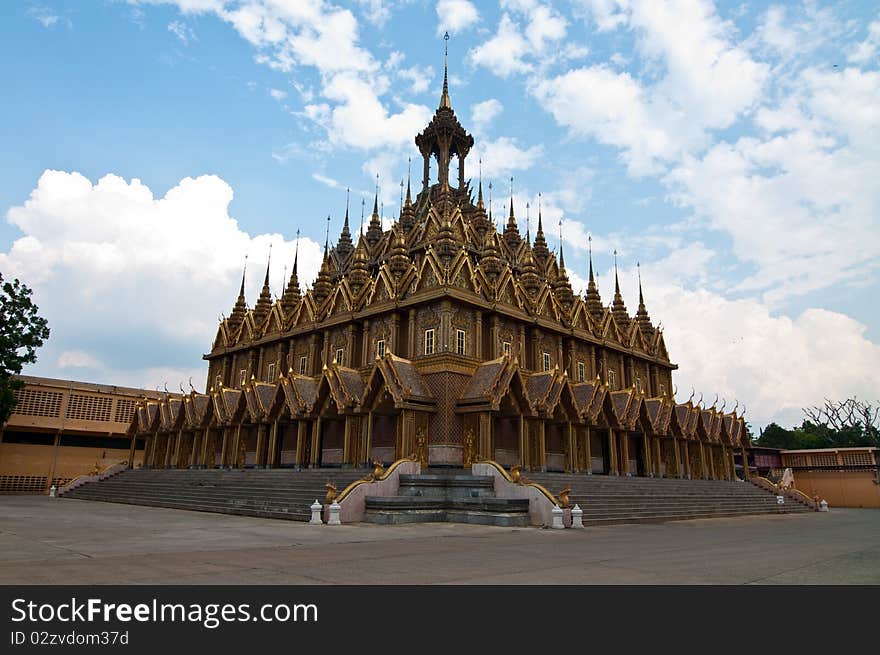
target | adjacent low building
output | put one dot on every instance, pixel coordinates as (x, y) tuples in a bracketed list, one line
[(845, 477), (61, 429)]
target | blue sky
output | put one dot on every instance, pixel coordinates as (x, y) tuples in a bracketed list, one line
[(731, 148)]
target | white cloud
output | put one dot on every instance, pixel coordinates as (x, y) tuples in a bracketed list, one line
[(801, 204), (504, 53), (455, 15), (707, 82), (866, 50), (278, 94), (419, 77), (77, 359), (43, 15), (133, 280), (182, 31), (504, 155), (483, 113)]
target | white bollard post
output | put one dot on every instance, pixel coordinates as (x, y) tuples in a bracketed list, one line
[(557, 523), (823, 506), (334, 514), (316, 513), (780, 500), (52, 491), (577, 517)]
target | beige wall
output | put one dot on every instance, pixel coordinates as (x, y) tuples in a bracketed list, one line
[(840, 488), (69, 461)]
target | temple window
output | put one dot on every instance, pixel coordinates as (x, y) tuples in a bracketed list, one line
[(218, 382), (546, 361), (582, 372), (380, 348), (460, 342), (242, 378), (339, 354), (302, 365), (429, 342), (611, 382), (639, 384), (506, 347), (270, 373), (662, 389)]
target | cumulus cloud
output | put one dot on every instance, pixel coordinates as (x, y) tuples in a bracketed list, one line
[(741, 349), (455, 15), (130, 281), (483, 113)]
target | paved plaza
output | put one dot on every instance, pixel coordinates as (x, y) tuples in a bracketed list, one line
[(66, 541)]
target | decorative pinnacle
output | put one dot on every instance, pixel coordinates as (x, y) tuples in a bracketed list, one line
[(561, 254), (528, 224), (639, 269), (243, 272), (327, 238), (268, 263), (590, 246), (363, 204), (444, 99), (296, 252), (616, 283)]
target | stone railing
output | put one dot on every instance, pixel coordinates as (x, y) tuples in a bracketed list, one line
[(541, 501), (793, 494), (106, 472), (352, 500)]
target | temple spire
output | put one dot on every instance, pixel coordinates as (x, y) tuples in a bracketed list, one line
[(542, 252), (590, 242), (642, 317), (511, 231), (561, 254), (618, 308), (374, 231), (264, 302), (528, 224), (480, 191), (594, 300), (444, 99), (345, 245), (292, 294)]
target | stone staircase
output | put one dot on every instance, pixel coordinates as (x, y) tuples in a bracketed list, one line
[(266, 493), (453, 496), (608, 500)]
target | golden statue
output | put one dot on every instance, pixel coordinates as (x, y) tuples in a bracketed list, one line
[(468, 457), (562, 498), (422, 447), (516, 474), (331, 492), (376, 473)]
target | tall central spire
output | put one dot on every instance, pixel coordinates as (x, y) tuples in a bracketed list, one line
[(444, 99)]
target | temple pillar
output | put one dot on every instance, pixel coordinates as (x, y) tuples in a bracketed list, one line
[(649, 461), (315, 458), (366, 345), (237, 460), (571, 448), (731, 463), (478, 335), (411, 339), (658, 458), (542, 445), (613, 468), (624, 452), (523, 442), (368, 439), (686, 456), (300, 443), (131, 448), (703, 468), (272, 453), (522, 345), (485, 437), (261, 440), (587, 452), (494, 336)]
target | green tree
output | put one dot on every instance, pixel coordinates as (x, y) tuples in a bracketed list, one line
[(22, 331)]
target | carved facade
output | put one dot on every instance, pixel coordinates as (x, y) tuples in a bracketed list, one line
[(434, 335)]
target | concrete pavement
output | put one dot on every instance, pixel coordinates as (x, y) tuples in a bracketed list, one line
[(67, 541)]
